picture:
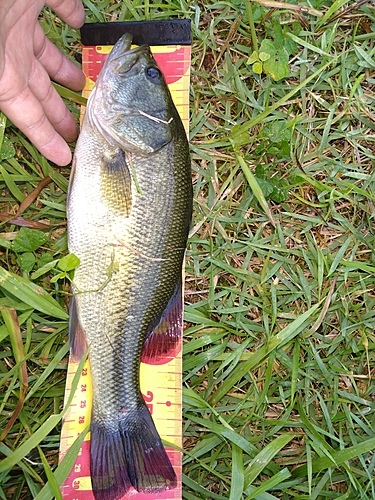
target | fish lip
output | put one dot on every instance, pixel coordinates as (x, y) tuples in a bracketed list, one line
[(123, 47), (128, 51)]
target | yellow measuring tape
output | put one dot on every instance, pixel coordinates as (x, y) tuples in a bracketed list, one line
[(160, 383)]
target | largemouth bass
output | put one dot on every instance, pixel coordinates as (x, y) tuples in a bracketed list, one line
[(129, 210)]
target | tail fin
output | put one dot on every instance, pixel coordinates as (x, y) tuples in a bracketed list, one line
[(127, 455)]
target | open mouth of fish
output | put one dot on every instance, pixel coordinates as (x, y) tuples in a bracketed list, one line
[(125, 57)]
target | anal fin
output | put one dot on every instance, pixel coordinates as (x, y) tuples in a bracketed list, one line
[(77, 335), (163, 342)]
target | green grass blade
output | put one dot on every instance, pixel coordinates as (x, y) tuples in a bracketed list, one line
[(193, 485), (256, 189), (70, 94), (288, 333), (49, 370), (43, 431), (11, 322), (31, 294), (358, 265), (261, 461), (11, 185), (289, 95), (3, 121), (50, 476), (338, 458), (272, 482), (237, 483), (26, 468), (62, 471)]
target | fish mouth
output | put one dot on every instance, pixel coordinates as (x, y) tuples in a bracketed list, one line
[(122, 55), (122, 58)]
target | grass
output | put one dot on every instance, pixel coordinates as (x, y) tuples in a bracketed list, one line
[(280, 273)]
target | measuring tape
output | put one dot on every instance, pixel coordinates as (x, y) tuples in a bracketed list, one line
[(161, 389), (160, 383)]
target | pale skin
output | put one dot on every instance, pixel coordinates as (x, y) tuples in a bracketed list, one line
[(28, 63)]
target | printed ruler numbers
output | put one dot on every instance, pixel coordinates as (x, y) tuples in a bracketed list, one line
[(161, 389)]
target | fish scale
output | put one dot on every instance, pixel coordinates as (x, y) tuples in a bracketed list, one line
[(128, 221)]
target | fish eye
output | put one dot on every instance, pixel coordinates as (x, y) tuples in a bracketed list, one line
[(153, 74)]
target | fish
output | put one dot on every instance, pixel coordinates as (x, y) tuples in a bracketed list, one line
[(129, 210)]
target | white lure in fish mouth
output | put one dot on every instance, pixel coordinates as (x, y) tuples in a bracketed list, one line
[(155, 118)]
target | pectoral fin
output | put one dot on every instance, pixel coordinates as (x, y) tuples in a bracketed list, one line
[(116, 183), (163, 341), (77, 335)]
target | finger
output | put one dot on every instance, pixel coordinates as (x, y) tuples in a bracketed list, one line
[(70, 11), (54, 108), (35, 125), (59, 68)]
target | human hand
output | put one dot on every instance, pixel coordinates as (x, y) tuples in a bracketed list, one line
[(27, 62)]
